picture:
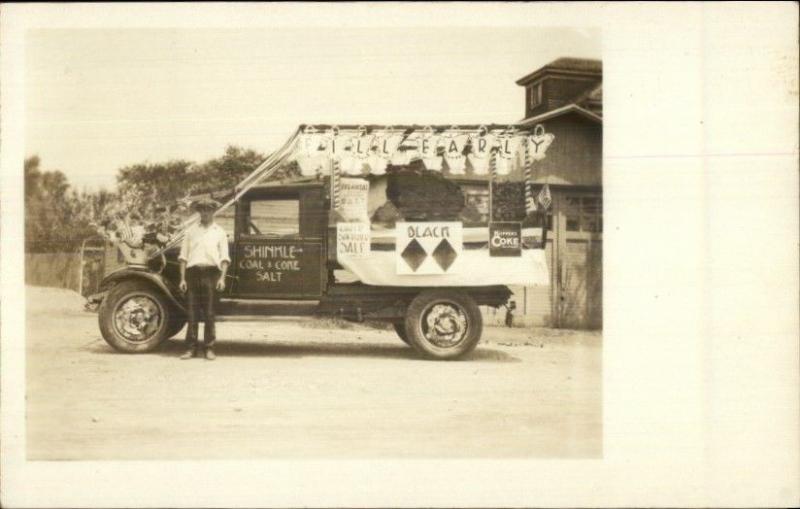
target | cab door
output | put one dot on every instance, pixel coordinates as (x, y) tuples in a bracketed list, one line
[(277, 254)]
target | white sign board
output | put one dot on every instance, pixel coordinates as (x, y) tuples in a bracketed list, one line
[(428, 248), (353, 240), (353, 195)]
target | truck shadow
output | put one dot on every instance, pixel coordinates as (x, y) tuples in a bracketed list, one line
[(239, 348)]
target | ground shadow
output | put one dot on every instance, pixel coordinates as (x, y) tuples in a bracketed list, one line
[(240, 348)]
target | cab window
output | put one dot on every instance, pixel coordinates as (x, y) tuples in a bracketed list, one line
[(274, 218)]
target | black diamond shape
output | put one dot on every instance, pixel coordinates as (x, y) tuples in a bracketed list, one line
[(444, 254), (414, 254)]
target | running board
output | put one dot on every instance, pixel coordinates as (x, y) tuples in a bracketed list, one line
[(266, 318), (245, 310)]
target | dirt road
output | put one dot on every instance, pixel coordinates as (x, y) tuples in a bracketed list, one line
[(283, 389)]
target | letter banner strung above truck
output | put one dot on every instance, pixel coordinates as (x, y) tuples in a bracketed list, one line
[(453, 150), (428, 248)]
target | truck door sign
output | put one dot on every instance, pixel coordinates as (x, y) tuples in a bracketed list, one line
[(428, 248), (269, 263)]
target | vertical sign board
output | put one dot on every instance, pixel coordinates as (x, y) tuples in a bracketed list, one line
[(352, 240), (505, 239), (353, 193), (428, 248)]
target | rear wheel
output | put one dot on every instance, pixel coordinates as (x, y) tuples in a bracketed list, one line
[(135, 317), (443, 324)]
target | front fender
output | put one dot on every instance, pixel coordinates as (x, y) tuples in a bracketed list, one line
[(127, 273)]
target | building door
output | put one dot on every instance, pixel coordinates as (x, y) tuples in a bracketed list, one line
[(578, 290)]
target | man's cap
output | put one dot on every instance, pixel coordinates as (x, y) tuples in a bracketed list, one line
[(205, 204)]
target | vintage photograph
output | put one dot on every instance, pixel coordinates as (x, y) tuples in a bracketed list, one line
[(313, 243)]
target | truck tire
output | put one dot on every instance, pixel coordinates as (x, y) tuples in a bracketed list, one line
[(443, 324), (400, 329), (134, 317)]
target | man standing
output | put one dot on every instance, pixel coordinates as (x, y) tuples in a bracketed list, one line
[(204, 261)]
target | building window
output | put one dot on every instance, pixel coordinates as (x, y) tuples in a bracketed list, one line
[(584, 214), (476, 207), (536, 95)]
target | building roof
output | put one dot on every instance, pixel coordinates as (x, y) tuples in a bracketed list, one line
[(569, 108), (568, 65)]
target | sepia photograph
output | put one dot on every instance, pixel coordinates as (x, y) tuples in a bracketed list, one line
[(329, 217), (399, 254)]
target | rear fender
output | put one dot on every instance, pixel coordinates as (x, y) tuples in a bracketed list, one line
[(126, 274)]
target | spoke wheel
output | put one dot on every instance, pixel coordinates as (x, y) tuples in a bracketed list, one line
[(443, 324), (135, 317)]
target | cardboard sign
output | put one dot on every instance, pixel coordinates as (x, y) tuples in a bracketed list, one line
[(428, 248), (505, 239), (353, 240), (353, 195)]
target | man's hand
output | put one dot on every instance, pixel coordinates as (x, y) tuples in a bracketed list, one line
[(221, 284), (182, 286)]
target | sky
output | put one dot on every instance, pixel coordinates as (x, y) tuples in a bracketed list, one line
[(98, 100)]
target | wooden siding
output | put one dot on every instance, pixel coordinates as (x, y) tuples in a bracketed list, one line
[(576, 156)]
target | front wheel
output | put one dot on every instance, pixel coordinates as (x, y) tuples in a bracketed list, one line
[(443, 324), (135, 317)]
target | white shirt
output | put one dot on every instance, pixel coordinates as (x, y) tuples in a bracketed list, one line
[(205, 246)]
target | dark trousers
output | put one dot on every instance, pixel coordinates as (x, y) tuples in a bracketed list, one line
[(201, 298)]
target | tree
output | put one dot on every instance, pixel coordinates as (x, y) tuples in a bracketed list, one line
[(225, 172), (155, 182), (53, 219), (58, 218)]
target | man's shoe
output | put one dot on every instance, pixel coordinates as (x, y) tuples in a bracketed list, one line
[(188, 354), (210, 355)]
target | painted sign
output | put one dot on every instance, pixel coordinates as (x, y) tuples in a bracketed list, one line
[(270, 267), (353, 240), (353, 195), (505, 239), (428, 248)]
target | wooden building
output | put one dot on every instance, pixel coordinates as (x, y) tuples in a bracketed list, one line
[(565, 96)]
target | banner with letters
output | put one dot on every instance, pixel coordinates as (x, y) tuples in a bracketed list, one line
[(454, 150)]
